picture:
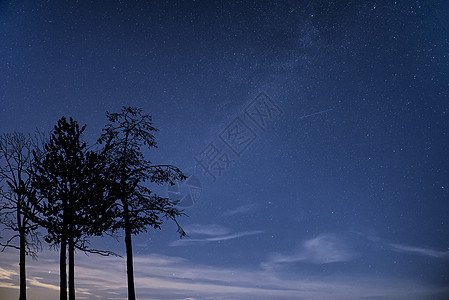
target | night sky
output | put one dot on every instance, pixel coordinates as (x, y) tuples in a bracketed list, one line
[(315, 135)]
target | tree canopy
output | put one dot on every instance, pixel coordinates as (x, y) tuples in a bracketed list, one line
[(125, 135)]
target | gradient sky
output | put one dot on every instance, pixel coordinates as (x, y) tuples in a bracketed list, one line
[(329, 119)]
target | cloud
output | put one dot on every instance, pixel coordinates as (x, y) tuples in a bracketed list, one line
[(419, 251), (37, 281), (368, 234), (6, 274), (202, 229), (400, 248), (8, 285), (327, 249), (201, 233), (240, 210), (322, 249), (173, 277), (159, 260), (190, 241)]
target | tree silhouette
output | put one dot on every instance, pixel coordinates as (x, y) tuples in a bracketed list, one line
[(72, 181), (126, 133), (16, 159)]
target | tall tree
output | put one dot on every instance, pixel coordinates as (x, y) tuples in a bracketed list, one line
[(127, 132), (16, 160), (71, 180)]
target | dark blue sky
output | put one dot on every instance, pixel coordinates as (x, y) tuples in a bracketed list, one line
[(343, 192)]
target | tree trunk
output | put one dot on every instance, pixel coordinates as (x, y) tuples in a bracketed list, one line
[(63, 271), (129, 254), (71, 269), (23, 279)]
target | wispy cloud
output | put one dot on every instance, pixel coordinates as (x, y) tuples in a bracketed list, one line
[(419, 251), (202, 229), (190, 241), (42, 276), (171, 277), (401, 248), (37, 281), (368, 234), (6, 274), (205, 233), (320, 250), (240, 210)]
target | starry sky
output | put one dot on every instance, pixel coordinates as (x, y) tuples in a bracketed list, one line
[(314, 134)]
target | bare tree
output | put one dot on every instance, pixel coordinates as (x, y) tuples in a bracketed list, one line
[(16, 196)]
